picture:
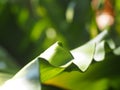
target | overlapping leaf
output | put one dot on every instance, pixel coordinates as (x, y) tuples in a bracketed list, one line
[(56, 59)]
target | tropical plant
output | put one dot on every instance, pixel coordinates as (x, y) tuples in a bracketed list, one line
[(82, 37)]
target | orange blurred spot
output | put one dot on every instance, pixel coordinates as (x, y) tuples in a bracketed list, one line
[(104, 20), (104, 16)]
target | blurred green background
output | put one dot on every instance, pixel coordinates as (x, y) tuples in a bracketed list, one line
[(28, 27)]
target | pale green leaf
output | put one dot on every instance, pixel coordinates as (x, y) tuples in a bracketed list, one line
[(102, 36), (26, 79), (103, 47), (83, 55), (100, 51)]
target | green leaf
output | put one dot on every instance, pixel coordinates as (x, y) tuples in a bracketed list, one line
[(83, 55), (48, 71), (102, 36), (100, 51), (97, 73), (26, 79), (103, 47), (57, 59), (56, 55), (54, 60)]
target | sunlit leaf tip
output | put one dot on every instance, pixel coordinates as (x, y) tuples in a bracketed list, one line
[(100, 37), (83, 56)]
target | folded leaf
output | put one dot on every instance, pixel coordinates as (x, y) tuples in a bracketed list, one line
[(103, 47), (48, 71), (83, 55), (56, 55), (57, 59), (99, 51)]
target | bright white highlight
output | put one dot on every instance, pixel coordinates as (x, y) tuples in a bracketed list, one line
[(81, 60), (104, 20), (17, 84)]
